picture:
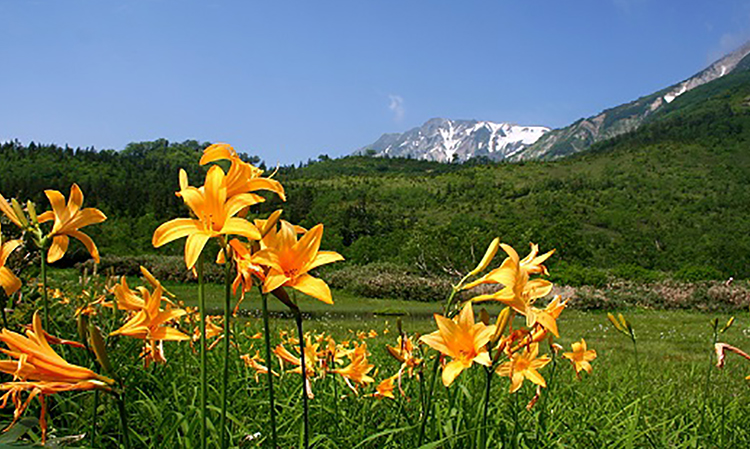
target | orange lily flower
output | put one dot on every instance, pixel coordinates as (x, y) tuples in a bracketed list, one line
[(36, 360), (246, 269), (242, 177), (524, 365), (68, 220), (311, 362), (404, 353), (256, 363), (289, 260), (127, 299), (40, 370), (461, 339), (581, 357), (311, 358), (216, 215), (518, 291), (149, 324), (385, 388), (357, 370), (8, 280), (40, 390)]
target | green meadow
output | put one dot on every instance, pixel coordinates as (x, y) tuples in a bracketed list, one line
[(672, 397)]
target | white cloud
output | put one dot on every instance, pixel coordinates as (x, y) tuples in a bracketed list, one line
[(626, 6), (397, 107)]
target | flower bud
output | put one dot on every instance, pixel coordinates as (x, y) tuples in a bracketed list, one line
[(270, 223), (82, 321), (488, 256), (19, 213), (503, 318), (727, 326), (99, 347), (32, 212), (615, 323)]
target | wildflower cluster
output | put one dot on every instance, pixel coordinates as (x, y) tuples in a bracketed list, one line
[(271, 255)]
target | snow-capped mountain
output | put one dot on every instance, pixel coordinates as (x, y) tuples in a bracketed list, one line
[(627, 117), (445, 140)]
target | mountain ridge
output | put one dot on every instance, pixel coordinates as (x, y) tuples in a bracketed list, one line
[(448, 140)]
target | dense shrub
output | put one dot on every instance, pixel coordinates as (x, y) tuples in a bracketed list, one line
[(696, 273), (577, 276), (385, 280)]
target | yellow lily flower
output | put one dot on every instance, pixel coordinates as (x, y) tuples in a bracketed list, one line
[(385, 388), (581, 356), (246, 269), (35, 360), (127, 299), (518, 291), (311, 362), (256, 363), (242, 177), (357, 370), (216, 215), (149, 324), (289, 260), (40, 390), (404, 353), (532, 263), (8, 281), (524, 365), (311, 358), (68, 220), (38, 369), (461, 339)]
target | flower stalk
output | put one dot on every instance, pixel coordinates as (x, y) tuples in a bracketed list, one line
[(272, 405), (45, 299), (227, 316), (123, 420), (305, 407), (202, 324)]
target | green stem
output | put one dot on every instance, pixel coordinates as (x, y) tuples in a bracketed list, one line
[(428, 405), (514, 441), (542, 425), (640, 381), (227, 316), (123, 420), (708, 380), (483, 430), (202, 325), (305, 411), (637, 363), (264, 298), (4, 302), (335, 398), (45, 300), (93, 418)]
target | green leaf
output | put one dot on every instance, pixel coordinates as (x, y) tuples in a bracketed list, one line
[(18, 430)]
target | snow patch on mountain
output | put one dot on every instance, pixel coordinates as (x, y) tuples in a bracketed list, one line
[(447, 140)]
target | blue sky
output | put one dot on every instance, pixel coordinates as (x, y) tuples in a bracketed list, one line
[(291, 80)]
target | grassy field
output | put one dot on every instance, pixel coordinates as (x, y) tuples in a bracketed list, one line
[(665, 400)]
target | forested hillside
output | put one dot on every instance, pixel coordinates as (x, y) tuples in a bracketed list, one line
[(670, 196)]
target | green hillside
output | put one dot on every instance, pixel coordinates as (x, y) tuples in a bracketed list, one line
[(672, 195)]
